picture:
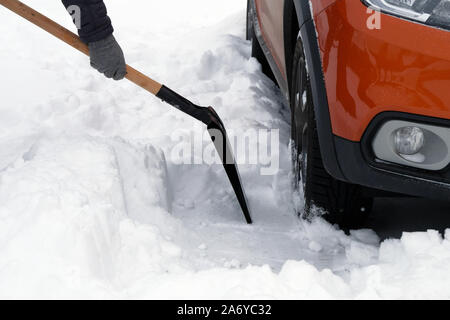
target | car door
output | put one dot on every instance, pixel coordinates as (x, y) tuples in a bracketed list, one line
[(270, 16)]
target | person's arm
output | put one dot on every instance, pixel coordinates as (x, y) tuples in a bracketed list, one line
[(95, 29)]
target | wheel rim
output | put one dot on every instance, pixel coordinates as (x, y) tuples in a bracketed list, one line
[(300, 124)]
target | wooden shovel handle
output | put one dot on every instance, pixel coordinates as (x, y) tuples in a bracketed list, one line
[(73, 40)]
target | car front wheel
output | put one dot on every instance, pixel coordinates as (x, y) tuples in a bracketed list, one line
[(340, 202)]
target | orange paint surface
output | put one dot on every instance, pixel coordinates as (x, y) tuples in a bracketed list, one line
[(320, 5), (270, 16), (404, 66)]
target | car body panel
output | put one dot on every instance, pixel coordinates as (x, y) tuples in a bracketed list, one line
[(319, 5), (361, 78), (301, 10), (270, 14), (403, 66)]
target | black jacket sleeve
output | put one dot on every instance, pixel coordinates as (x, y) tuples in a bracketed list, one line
[(95, 23)]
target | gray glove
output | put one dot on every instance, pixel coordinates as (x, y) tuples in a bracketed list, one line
[(107, 58)]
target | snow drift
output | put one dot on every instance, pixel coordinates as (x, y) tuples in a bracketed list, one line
[(91, 206)]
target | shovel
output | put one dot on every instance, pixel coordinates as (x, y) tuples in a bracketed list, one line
[(207, 115)]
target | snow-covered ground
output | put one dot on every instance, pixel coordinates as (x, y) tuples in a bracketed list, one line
[(94, 205)]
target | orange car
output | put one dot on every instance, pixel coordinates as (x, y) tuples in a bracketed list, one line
[(368, 82)]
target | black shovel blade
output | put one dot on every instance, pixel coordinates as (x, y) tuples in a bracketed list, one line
[(219, 137), (221, 141)]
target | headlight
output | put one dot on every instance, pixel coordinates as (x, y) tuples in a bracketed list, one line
[(431, 12)]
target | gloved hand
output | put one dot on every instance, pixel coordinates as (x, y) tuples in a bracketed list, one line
[(107, 57)]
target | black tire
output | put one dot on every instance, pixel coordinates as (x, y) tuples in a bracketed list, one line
[(341, 203), (257, 51)]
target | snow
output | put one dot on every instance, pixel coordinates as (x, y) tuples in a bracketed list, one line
[(93, 204)]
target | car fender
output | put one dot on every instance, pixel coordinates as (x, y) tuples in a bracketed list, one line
[(308, 35)]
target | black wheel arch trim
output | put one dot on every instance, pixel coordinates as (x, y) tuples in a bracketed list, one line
[(309, 39), (307, 33)]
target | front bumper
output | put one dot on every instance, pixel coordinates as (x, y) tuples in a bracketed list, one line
[(398, 72), (402, 67), (360, 166)]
